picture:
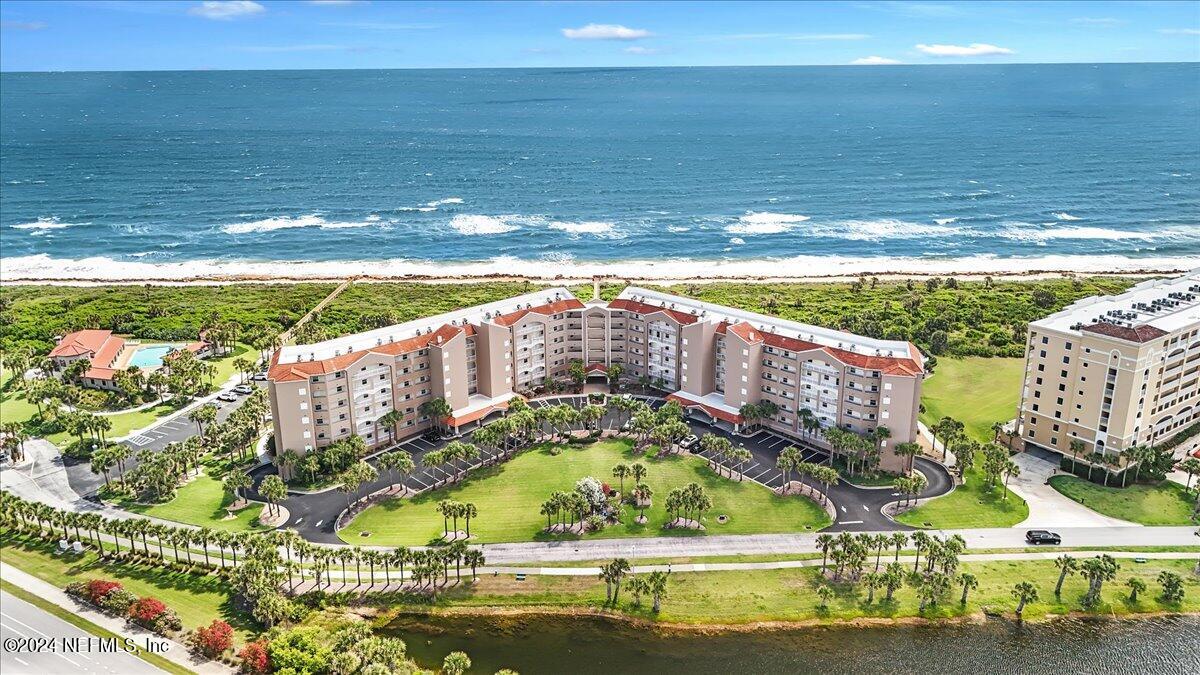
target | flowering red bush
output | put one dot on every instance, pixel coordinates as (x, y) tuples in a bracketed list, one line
[(255, 658), (146, 610), (98, 588), (607, 488), (214, 639)]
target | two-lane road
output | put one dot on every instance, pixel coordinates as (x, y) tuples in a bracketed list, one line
[(21, 622)]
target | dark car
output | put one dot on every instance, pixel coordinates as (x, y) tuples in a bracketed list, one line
[(433, 435), (1036, 537)]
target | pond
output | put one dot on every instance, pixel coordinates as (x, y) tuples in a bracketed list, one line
[(549, 644)]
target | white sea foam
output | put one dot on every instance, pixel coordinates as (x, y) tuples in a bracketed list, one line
[(1041, 235), (737, 241), (471, 225), (587, 227), (40, 225), (1063, 215), (944, 221), (878, 230), (43, 267), (441, 202), (765, 222), (287, 223), (677, 228)]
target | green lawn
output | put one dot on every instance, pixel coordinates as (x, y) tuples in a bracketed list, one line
[(13, 406), (969, 505), (974, 390), (509, 495), (201, 502), (197, 599), (1163, 504), (790, 594), (225, 367)]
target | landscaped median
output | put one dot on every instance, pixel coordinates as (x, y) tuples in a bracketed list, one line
[(1164, 503), (509, 497), (204, 502)]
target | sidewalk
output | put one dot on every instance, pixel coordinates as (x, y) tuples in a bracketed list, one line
[(350, 581), (176, 653)]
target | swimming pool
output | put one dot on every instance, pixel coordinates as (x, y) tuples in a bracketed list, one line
[(150, 356)]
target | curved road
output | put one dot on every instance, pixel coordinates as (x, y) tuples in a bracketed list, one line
[(313, 515)]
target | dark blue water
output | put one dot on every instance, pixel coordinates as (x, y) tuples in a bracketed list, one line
[(813, 167)]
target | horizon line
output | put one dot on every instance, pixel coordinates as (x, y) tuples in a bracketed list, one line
[(608, 67)]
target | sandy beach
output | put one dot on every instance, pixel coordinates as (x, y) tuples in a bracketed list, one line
[(42, 269)]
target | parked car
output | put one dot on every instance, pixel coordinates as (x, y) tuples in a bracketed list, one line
[(627, 427), (243, 389), (259, 377), (1036, 537), (433, 435), (228, 396), (689, 442)]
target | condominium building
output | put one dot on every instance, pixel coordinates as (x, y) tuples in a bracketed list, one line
[(712, 359), (1114, 371)]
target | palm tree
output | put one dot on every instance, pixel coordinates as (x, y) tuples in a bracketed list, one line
[(968, 582), (1136, 586), (657, 583), (468, 512), (620, 472), (1024, 592), (824, 543), (1066, 565), (1077, 447)]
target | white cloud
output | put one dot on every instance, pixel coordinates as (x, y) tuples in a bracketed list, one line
[(1098, 21), (874, 61), (973, 49), (22, 25), (223, 10), (830, 36), (640, 50), (605, 31), (1179, 31)]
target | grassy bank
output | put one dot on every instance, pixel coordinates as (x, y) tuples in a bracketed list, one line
[(509, 495), (970, 505), (197, 599), (202, 502), (1165, 503), (743, 597)]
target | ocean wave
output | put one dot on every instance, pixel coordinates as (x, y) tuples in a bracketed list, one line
[(1063, 215), (40, 225), (677, 228), (288, 223), (1041, 235), (442, 202), (879, 230), (472, 225), (45, 268), (737, 241), (587, 227), (765, 222), (944, 221)]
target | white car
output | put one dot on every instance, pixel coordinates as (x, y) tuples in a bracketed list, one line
[(227, 396)]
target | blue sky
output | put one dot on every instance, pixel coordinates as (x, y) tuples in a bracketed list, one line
[(260, 34)]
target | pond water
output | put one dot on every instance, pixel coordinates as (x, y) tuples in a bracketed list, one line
[(547, 644)]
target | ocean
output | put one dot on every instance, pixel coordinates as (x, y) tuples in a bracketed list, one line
[(668, 172)]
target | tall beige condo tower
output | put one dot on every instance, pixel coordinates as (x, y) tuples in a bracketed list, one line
[(1115, 371)]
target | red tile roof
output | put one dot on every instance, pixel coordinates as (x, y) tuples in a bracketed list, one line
[(545, 310), (715, 413), (885, 364), (477, 414), (1133, 334), (598, 368), (81, 342), (645, 308)]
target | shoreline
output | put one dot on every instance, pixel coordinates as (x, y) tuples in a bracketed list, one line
[(668, 628), (558, 279), (42, 269)]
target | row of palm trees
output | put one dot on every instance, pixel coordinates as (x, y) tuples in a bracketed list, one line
[(722, 456), (653, 584), (791, 459)]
